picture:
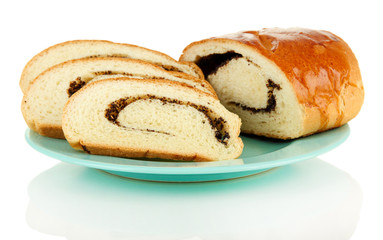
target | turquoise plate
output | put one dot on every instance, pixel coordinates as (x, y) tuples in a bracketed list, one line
[(259, 154)]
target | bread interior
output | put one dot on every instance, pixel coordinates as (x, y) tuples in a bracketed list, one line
[(43, 103), (251, 86), (150, 118)]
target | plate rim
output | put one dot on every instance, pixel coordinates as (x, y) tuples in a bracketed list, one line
[(341, 134)]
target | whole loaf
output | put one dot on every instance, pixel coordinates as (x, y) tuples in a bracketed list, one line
[(283, 83)]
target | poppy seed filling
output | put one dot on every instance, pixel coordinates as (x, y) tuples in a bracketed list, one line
[(216, 123), (271, 101), (75, 85), (80, 81), (211, 63)]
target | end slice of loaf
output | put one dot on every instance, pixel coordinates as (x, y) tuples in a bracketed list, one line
[(152, 119), (99, 48), (283, 83), (43, 103)]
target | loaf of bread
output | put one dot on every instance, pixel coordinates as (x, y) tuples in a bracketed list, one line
[(283, 83), (98, 48), (44, 101), (153, 119)]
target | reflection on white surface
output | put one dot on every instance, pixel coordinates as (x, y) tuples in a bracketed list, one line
[(308, 200)]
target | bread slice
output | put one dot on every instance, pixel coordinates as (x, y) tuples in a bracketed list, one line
[(283, 83), (99, 48), (153, 119), (43, 103)]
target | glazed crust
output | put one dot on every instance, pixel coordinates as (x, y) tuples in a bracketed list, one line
[(320, 66)]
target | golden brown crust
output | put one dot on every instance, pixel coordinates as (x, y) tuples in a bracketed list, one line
[(321, 67), (136, 153), (47, 130), (51, 131)]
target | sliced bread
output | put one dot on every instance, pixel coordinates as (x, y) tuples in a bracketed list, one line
[(44, 101), (150, 119)]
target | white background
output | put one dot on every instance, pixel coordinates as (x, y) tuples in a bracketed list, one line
[(27, 27)]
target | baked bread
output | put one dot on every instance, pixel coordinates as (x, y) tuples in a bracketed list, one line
[(283, 83), (153, 119), (43, 103), (98, 48)]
